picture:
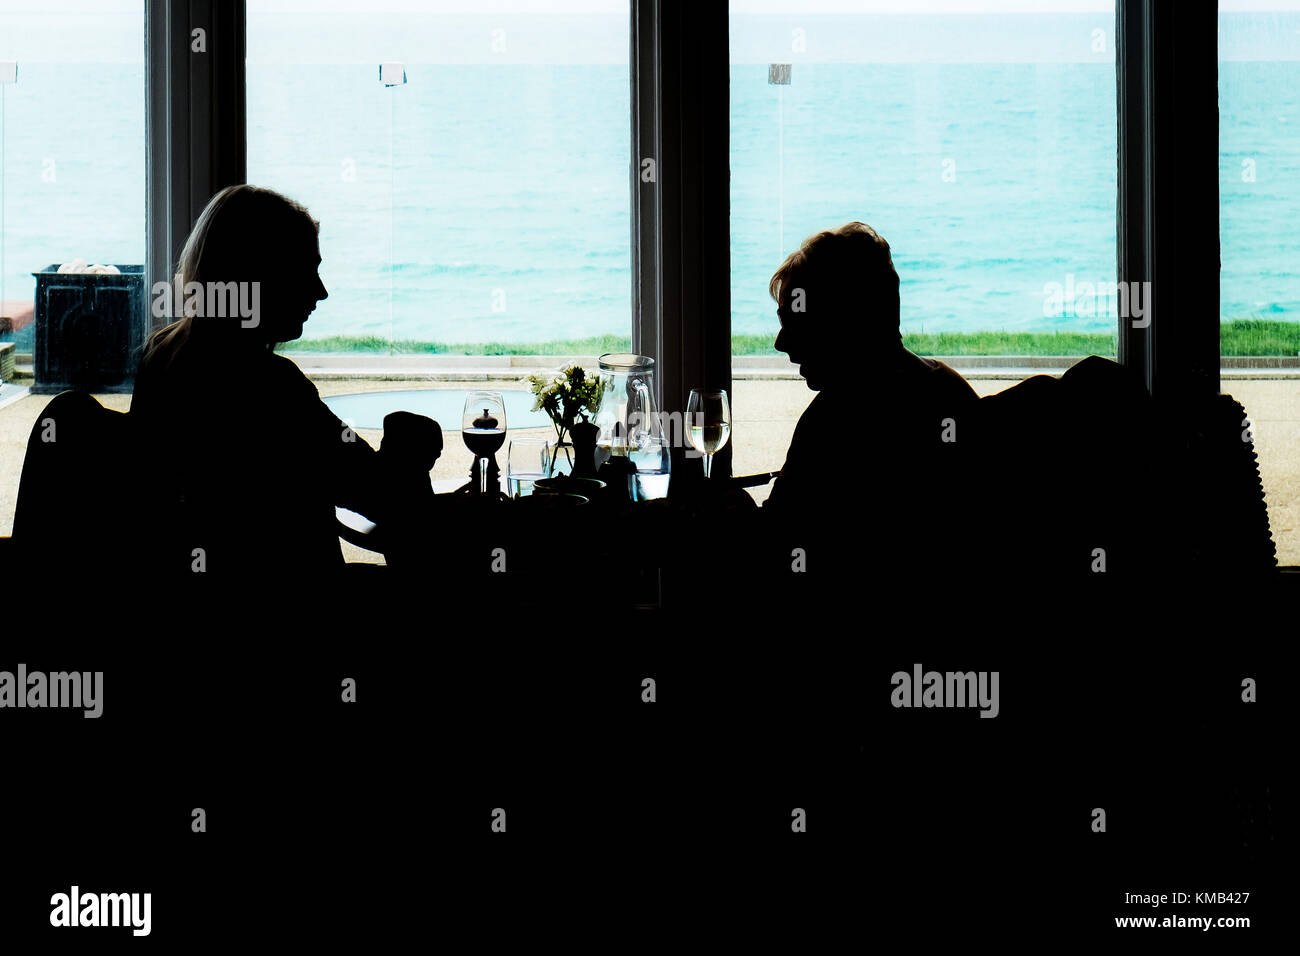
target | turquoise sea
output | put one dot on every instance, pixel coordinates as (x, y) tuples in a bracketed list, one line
[(484, 201)]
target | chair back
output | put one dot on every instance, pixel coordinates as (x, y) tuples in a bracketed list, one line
[(80, 497)]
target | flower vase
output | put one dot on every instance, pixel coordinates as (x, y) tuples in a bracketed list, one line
[(563, 460)]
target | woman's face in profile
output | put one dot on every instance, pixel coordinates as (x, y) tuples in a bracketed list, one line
[(291, 295)]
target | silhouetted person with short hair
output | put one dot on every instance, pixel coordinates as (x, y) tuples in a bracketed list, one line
[(248, 460), (876, 441)]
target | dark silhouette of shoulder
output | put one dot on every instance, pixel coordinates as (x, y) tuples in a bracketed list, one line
[(253, 457), (861, 435)]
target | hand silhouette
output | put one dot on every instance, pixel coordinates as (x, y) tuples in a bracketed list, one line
[(411, 441)]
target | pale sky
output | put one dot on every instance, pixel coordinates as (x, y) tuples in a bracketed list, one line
[(74, 31), (621, 6), (49, 7)]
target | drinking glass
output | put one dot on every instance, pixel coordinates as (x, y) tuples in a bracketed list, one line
[(708, 416), (483, 426), (653, 459), (526, 462)]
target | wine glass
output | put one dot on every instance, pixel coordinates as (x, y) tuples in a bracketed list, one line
[(483, 426), (708, 415), (527, 461)]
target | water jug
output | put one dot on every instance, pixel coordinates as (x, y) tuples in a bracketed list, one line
[(629, 424)]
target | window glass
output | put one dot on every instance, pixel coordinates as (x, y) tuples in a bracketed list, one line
[(978, 138), (1259, 224), (469, 167), (72, 188)]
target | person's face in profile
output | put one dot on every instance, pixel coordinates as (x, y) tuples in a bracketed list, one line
[(296, 289), (797, 340)]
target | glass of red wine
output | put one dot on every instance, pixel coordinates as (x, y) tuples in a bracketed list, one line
[(483, 427)]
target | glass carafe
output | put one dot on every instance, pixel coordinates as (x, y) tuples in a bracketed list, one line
[(628, 421)]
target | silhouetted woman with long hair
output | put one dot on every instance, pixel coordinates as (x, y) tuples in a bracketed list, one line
[(249, 462)]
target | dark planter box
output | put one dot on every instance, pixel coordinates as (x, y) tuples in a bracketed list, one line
[(89, 330)]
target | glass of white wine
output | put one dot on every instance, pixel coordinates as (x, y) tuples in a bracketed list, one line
[(708, 417)]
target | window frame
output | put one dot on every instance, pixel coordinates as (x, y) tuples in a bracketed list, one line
[(195, 125), (1167, 82), (681, 222)]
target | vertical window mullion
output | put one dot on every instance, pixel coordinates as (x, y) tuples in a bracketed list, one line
[(1168, 204), (645, 264), (1133, 207), (195, 122), (682, 219)]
